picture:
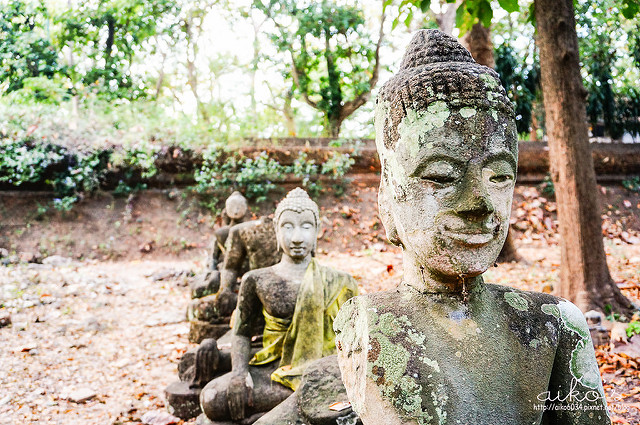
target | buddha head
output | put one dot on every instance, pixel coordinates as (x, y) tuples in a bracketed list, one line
[(447, 141), (297, 222), (236, 206)]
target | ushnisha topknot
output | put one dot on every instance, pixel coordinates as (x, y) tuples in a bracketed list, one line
[(437, 68), (297, 200)]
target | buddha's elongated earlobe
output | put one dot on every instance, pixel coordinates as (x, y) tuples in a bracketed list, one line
[(386, 216)]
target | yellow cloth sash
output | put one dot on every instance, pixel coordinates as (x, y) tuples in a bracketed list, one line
[(309, 334)]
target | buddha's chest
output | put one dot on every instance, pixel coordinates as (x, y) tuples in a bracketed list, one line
[(438, 370), (278, 296)]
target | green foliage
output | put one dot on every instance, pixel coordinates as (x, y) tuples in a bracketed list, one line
[(468, 13), (547, 187), (25, 51), (611, 315), (633, 328), (334, 57), (307, 171), (40, 89), (257, 177), (522, 82), (630, 8), (26, 163), (71, 175), (632, 184), (110, 33), (610, 74)]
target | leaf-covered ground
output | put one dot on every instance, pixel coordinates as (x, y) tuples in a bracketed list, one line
[(97, 342), (117, 330)]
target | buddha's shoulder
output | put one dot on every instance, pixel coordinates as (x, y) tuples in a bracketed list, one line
[(526, 301), (362, 303), (251, 226), (260, 274)]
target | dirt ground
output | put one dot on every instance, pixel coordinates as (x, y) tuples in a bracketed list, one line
[(105, 322)]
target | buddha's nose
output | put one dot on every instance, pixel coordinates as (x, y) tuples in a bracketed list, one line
[(296, 236), (474, 201)]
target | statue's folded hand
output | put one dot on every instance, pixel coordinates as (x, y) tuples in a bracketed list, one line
[(239, 395), (226, 301)]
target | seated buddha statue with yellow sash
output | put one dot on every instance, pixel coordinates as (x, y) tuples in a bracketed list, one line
[(298, 299)]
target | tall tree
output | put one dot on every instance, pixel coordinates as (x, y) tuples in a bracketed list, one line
[(107, 35), (333, 63), (584, 274), (25, 51)]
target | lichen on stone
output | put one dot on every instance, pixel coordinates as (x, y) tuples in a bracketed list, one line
[(581, 364), (489, 81), (516, 301), (416, 123), (467, 112)]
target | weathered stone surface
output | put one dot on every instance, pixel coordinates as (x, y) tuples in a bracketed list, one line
[(200, 330), (321, 387), (444, 347), (183, 401), (186, 365), (205, 283), (310, 404)]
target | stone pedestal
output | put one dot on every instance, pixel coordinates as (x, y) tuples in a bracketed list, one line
[(200, 330), (184, 402)]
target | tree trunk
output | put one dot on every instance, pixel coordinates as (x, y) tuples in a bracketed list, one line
[(478, 42), (111, 31), (584, 275), (509, 252), (289, 118), (447, 20), (333, 127)]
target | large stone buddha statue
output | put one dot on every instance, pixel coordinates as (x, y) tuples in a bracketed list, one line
[(298, 300), (445, 347)]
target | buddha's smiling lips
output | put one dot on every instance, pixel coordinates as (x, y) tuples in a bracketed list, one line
[(471, 237)]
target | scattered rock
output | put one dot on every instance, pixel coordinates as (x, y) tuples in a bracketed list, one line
[(92, 325), (619, 332), (4, 253), (5, 318), (12, 259), (20, 326), (81, 396), (170, 274), (146, 247), (30, 257), (630, 349), (165, 319), (159, 417), (57, 260), (27, 348)]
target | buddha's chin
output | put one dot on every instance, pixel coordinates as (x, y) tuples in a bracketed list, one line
[(466, 264)]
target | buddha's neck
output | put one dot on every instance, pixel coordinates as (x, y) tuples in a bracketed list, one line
[(422, 280), (294, 267)]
